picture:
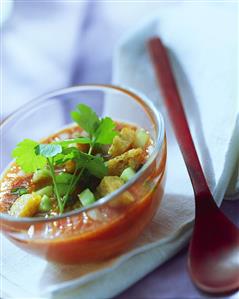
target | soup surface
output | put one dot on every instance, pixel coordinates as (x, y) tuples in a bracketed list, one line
[(74, 167)]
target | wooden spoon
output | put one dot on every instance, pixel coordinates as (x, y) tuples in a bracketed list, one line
[(213, 260)]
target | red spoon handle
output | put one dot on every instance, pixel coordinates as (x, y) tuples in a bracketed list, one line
[(176, 113)]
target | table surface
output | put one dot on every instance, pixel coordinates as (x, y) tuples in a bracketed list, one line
[(171, 280)]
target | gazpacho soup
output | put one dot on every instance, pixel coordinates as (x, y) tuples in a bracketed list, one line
[(65, 182)]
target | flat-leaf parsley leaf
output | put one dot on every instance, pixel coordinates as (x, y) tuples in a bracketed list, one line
[(105, 131), (48, 150), (26, 157), (86, 118)]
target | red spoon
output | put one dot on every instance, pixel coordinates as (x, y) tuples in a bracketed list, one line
[(213, 260)]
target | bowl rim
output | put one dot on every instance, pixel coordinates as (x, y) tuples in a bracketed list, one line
[(150, 109)]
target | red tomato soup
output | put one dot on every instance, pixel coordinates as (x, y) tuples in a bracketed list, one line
[(96, 233)]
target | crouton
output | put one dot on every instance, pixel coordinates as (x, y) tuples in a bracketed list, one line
[(133, 158), (26, 205), (70, 166), (123, 200), (121, 143), (109, 184)]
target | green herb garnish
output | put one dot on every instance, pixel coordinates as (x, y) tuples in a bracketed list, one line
[(82, 140), (26, 157), (101, 131), (86, 118), (105, 132), (32, 156), (48, 150), (19, 191)]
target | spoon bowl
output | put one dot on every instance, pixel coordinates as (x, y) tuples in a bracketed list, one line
[(213, 260)]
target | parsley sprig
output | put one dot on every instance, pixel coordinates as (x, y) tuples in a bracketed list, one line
[(32, 156), (101, 131)]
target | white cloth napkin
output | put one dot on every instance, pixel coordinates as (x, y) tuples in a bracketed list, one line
[(204, 61), (203, 54)]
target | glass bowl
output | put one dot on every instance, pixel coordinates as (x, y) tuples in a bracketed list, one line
[(109, 226)]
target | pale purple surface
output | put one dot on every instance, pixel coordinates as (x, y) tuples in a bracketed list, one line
[(79, 50), (171, 280)]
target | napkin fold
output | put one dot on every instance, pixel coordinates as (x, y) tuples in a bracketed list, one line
[(203, 54)]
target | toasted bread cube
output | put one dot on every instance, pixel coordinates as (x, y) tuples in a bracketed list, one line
[(26, 205), (41, 175), (109, 184), (122, 142), (70, 166), (118, 146), (133, 158), (124, 199), (83, 147)]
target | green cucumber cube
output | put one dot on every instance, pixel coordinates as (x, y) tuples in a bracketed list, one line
[(127, 174), (141, 138), (86, 197), (45, 204)]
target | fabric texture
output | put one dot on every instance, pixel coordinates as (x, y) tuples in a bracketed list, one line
[(203, 59)]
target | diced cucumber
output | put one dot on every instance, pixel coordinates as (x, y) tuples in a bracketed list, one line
[(40, 175), (63, 178), (127, 174), (45, 204), (141, 138), (95, 214), (48, 190), (86, 197)]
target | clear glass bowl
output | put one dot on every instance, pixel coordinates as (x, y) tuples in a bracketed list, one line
[(108, 227)]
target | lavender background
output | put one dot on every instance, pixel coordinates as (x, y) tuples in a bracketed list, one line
[(54, 44)]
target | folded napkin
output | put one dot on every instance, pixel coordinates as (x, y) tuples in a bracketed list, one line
[(203, 53)]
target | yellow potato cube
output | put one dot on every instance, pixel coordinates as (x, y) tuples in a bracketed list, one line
[(26, 205)]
